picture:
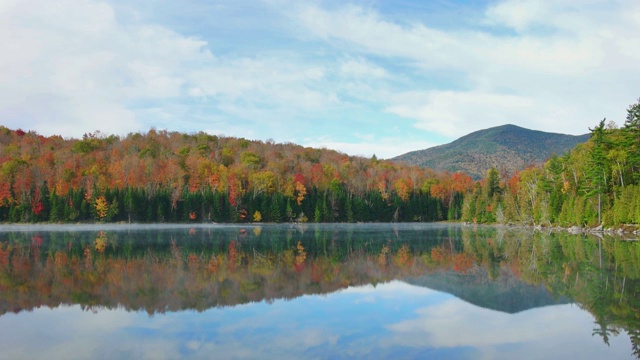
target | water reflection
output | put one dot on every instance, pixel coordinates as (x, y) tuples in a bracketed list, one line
[(236, 278)]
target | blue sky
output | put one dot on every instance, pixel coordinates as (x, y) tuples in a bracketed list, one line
[(362, 77)]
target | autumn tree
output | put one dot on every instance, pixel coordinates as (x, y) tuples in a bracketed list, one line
[(299, 188), (101, 207)]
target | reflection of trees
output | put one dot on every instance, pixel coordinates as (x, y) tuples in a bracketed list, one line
[(601, 275), (634, 335), (604, 331), (169, 272), (158, 272)]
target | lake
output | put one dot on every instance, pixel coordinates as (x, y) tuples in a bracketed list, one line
[(328, 291)]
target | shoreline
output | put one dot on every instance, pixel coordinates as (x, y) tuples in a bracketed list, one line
[(626, 232)]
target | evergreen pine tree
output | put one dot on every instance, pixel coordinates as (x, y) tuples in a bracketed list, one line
[(596, 173), (631, 136)]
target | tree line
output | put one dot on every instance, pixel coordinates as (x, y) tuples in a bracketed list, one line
[(597, 183), (165, 176)]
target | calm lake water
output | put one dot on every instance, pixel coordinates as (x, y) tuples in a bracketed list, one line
[(400, 291)]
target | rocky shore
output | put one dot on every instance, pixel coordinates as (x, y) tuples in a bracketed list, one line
[(628, 232)]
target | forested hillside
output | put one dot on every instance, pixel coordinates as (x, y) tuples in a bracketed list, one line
[(596, 183), (508, 148), (174, 177), (165, 176)]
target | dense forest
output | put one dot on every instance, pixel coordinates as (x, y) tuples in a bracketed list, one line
[(165, 176), (597, 183)]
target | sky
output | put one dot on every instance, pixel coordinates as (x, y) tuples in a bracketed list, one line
[(362, 77)]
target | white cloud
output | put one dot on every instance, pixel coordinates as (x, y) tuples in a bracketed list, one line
[(519, 14), (251, 78), (73, 68), (568, 66), (371, 33), (382, 147), (457, 113), (360, 67)]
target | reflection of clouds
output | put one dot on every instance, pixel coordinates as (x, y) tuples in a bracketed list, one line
[(251, 316), (366, 299), (537, 333), (456, 323), (292, 344), (309, 338), (403, 321), (390, 288), (193, 345), (260, 345), (285, 329), (70, 333), (389, 292)]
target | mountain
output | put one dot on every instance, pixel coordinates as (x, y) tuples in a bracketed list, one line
[(508, 148)]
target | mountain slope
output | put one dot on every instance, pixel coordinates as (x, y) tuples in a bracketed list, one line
[(509, 148)]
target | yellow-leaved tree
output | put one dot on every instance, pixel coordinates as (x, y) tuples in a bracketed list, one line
[(102, 207)]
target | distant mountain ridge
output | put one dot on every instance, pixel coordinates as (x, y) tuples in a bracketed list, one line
[(508, 148)]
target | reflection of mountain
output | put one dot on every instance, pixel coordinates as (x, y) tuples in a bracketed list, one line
[(506, 293)]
